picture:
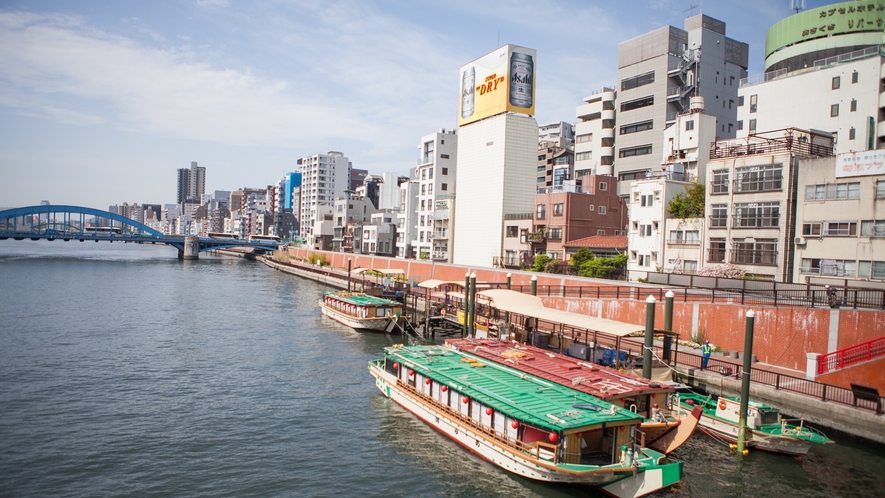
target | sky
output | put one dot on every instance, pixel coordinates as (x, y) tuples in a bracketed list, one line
[(102, 101)]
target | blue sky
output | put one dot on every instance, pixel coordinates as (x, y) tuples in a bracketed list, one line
[(102, 101)]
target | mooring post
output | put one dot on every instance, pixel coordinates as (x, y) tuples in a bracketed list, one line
[(534, 285), (745, 381), (348, 274), (466, 303), (668, 324), (649, 336), (473, 304)]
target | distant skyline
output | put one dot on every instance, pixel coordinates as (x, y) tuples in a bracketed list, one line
[(102, 102)]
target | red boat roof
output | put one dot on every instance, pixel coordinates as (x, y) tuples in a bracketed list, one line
[(602, 382)]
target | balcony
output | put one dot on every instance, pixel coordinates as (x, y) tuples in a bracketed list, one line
[(718, 222), (760, 257), (441, 214), (425, 160), (440, 234), (683, 242), (440, 255)]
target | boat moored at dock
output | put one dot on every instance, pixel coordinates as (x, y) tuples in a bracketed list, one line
[(523, 424), (663, 429), (361, 311), (766, 429)]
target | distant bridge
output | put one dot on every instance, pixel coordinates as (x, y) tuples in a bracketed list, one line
[(83, 223)]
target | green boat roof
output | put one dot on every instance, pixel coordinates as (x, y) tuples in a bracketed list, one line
[(362, 299), (519, 395)]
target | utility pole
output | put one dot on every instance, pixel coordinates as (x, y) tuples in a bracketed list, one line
[(745, 381)]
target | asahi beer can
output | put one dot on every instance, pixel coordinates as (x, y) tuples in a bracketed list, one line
[(468, 95), (522, 71)]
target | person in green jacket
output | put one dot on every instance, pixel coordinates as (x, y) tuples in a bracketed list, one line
[(706, 350)]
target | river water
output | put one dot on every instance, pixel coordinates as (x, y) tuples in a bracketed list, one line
[(125, 371)]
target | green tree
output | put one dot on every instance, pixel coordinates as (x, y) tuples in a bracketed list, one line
[(580, 257), (541, 261), (688, 204), (552, 266), (603, 267)]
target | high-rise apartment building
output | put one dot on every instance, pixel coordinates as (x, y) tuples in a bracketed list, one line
[(659, 72), (191, 183), (324, 178), (595, 134), (435, 177)]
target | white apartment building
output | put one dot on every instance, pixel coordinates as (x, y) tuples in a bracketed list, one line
[(324, 178), (842, 95), (659, 72), (595, 134), (656, 241), (751, 201), (407, 217), (435, 177), (388, 191), (840, 228), (557, 130), (496, 176)]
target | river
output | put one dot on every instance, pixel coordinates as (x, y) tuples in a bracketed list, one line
[(125, 371)]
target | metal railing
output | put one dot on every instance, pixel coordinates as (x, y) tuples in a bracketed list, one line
[(849, 356)]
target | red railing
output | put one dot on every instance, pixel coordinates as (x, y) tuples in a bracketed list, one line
[(864, 351)]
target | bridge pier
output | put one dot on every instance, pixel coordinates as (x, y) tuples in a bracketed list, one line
[(191, 248)]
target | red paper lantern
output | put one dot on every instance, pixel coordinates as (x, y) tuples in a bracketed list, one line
[(553, 437), (444, 388), (514, 424), (488, 411), (465, 400), (396, 366), (427, 381), (411, 373)]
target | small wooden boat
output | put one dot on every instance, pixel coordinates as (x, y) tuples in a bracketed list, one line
[(663, 429), (361, 311), (766, 429), (521, 423)]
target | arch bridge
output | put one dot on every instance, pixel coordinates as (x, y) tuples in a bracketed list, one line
[(67, 223)]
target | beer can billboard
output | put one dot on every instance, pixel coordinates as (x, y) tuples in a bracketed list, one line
[(501, 81)]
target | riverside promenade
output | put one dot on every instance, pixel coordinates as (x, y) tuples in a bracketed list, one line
[(786, 388)]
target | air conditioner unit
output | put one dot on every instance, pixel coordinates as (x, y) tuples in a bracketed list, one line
[(800, 241)]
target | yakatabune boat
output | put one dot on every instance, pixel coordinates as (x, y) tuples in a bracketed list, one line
[(360, 311), (529, 426), (663, 429), (766, 429)]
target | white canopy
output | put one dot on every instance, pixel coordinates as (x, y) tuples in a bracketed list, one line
[(528, 305)]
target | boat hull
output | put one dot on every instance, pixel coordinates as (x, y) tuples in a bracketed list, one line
[(362, 324), (614, 480)]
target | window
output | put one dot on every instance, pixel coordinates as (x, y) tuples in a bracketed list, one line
[(583, 138), (740, 100), (645, 230), (720, 182), (690, 267), (445, 171), (444, 187), (541, 179), (730, 103), (829, 267), (871, 269), (853, 105), (740, 124), (422, 205), (637, 81), (759, 252), (874, 228), (753, 103), (423, 189), (557, 209), (851, 133), (837, 81), (542, 211), (765, 178), (834, 110), (583, 156), (832, 191), (635, 151), (592, 207), (841, 229), (443, 156), (757, 215), (554, 234), (689, 125), (429, 189), (422, 220), (684, 237), (880, 189), (752, 126), (638, 103), (542, 169), (854, 77), (512, 231), (600, 232), (811, 229), (430, 171), (646, 200), (603, 186), (718, 215), (716, 253), (601, 210), (636, 127)]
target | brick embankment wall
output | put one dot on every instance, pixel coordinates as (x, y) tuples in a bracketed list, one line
[(782, 335)]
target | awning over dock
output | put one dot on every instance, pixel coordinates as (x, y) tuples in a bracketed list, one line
[(528, 305)]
